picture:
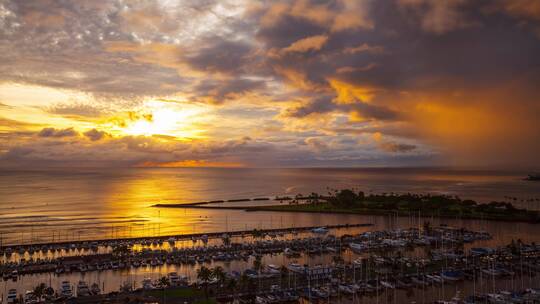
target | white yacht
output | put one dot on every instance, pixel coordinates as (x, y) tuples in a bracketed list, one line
[(30, 297), (82, 289), (320, 230), (147, 284), (357, 247), (173, 278), (12, 296), (65, 289), (95, 290)]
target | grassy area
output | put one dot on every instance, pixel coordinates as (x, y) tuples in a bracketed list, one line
[(349, 202), (209, 301), (177, 293)]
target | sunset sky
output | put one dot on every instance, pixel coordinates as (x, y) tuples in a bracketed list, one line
[(296, 83)]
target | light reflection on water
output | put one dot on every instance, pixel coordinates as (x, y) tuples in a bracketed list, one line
[(112, 279), (41, 206)]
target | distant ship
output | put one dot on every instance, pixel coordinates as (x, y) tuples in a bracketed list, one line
[(533, 177)]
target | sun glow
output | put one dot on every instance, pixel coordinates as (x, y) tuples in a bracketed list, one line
[(158, 118)]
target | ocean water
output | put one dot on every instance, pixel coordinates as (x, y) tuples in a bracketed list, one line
[(61, 204)]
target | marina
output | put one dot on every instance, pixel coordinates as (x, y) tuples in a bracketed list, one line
[(316, 266)]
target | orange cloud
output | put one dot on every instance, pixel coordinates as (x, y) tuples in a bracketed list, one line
[(191, 163), (349, 93), (313, 43)]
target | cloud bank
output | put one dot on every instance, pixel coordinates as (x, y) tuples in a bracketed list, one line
[(270, 83)]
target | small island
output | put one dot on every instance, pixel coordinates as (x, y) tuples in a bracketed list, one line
[(533, 177), (349, 201)]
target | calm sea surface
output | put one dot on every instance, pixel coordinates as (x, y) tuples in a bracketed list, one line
[(37, 206)]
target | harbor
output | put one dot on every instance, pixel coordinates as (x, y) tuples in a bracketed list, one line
[(312, 264)]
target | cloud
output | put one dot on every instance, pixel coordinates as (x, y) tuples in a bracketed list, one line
[(96, 135), (364, 47), (308, 81), (316, 143), (362, 111), (317, 105), (52, 132), (396, 147), (439, 17), (220, 55), (76, 110), (313, 43), (6, 123), (521, 8)]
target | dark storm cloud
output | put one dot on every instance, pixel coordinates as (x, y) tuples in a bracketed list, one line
[(52, 132), (396, 147), (318, 105), (375, 112), (220, 55), (95, 135), (222, 90)]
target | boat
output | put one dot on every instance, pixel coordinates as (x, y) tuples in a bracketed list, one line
[(295, 267), (357, 247), (94, 289), (147, 284), (288, 252), (12, 296), (82, 289), (433, 278), (492, 272), (30, 297), (320, 230), (273, 269), (495, 298), (173, 278), (387, 284), (451, 275), (345, 289), (358, 262), (65, 289), (533, 177)]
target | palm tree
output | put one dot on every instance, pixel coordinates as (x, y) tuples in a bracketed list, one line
[(219, 274), (232, 286), (247, 283), (257, 264), (204, 275), (164, 282), (39, 290)]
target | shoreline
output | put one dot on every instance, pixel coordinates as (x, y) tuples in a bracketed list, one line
[(306, 209), (179, 237), (401, 213)]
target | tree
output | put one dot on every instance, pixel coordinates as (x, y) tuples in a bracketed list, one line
[(39, 290), (121, 250), (244, 281), (427, 227), (231, 285), (344, 198), (204, 274), (164, 282), (219, 274), (257, 263)]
